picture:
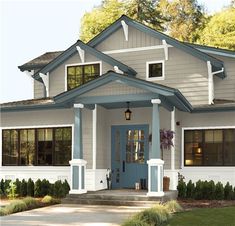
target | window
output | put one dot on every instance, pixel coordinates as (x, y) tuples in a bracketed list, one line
[(43, 147), (80, 74), (212, 147), (155, 70)]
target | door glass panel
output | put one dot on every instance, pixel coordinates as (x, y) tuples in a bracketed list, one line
[(117, 145)]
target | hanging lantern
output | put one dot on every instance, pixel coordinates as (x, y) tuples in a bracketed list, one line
[(128, 112)]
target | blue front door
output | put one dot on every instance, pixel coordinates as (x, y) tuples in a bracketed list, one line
[(129, 155)]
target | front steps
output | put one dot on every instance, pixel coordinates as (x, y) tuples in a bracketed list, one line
[(118, 198)]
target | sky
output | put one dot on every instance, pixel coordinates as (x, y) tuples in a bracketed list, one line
[(30, 28)]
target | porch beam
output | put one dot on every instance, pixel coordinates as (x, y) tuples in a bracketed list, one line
[(117, 98)]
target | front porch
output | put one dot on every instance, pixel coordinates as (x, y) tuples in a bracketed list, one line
[(106, 98)]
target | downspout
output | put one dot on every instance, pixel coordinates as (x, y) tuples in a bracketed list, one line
[(211, 74)]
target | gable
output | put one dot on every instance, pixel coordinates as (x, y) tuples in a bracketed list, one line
[(136, 39)]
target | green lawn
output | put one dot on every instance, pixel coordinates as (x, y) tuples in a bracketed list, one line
[(205, 217)]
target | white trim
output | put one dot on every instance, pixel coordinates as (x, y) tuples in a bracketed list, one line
[(79, 64), (173, 140), (34, 127), (155, 78), (210, 83), (164, 43), (135, 49), (155, 101), (94, 137), (81, 54), (45, 79), (125, 29), (155, 194), (199, 128), (117, 70), (78, 105)]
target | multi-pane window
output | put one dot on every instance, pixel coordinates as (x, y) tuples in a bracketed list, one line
[(80, 74), (155, 70), (42, 146), (212, 147), (135, 146)]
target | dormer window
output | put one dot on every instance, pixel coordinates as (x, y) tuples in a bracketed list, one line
[(155, 70), (80, 74)]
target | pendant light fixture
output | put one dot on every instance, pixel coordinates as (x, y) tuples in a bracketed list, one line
[(128, 112)]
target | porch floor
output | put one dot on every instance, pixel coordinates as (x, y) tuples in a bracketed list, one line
[(118, 197)]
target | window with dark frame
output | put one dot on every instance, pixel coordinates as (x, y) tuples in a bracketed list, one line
[(40, 146), (209, 147), (80, 74), (155, 70)]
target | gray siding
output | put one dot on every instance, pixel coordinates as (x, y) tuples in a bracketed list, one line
[(53, 118), (225, 89), (200, 120), (182, 71), (38, 89), (57, 77), (136, 38)]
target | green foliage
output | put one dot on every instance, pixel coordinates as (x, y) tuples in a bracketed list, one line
[(11, 191), (220, 30), (45, 187), (199, 190), (15, 206), (173, 206), (31, 203), (6, 185), (23, 188), (211, 189), (190, 190), (100, 17), (18, 185), (37, 188), (182, 189), (59, 189), (2, 186), (134, 222), (30, 187), (66, 188), (228, 191), (219, 191), (49, 200)]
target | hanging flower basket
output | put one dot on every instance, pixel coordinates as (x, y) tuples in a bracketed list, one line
[(166, 137)]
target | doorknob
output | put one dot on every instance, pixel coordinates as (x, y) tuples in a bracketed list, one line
[(123, 166)]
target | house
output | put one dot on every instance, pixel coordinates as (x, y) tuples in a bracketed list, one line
[(76, 126)]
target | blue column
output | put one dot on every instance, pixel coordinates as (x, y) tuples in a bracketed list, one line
[(156, 151), (78, 147)]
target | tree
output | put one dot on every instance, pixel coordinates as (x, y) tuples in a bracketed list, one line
[(220, 30), (185, 18), (99, 18)]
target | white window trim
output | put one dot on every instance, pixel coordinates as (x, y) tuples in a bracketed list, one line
[(34, 127), (156, 78), (80, 64), (199, 128)]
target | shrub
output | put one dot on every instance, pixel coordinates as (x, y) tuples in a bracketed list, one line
[(211, 188), (2, 186), (11, 191), (6, 186), (31, 202), (51, 190), (45, 187), (173, 206), (182, 189), (134, 222), (58, 189), (37, 188), (15, 206), (228, 191), (30, 187), (190, 190), (2, 211), (219, 191), (199, 190), (49, 200), (66, 188), (23, 188), (18, 185)]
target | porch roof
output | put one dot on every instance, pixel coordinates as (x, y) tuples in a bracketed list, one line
[(170, 97)]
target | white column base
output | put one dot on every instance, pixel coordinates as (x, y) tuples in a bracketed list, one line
[(173, 174), (155, 177), (78, 170)]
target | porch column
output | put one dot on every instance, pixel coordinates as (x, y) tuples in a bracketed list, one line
[(78, 164), (155, 164)]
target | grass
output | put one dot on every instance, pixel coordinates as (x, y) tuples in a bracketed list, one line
[(205, 217)]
